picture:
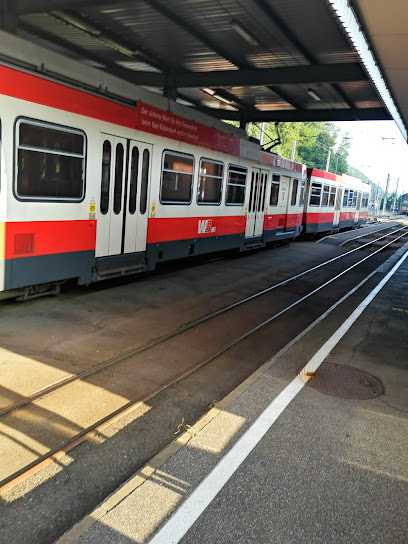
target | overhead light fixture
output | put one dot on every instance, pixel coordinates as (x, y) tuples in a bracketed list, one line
[(222, 99), (96, 33), (314, 95), (244, 33), (219, 97), (110, 11), (81, 25), (118, 47)]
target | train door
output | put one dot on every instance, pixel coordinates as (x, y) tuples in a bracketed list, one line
[(263, 184), (283, 201), (136, 213), (358, 206), (122, 221), (337, 207), (256, 204)]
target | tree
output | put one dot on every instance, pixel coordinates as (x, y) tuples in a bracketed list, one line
[(314, 139)]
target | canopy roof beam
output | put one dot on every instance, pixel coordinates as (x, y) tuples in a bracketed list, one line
[(350, 114), (293, 75)]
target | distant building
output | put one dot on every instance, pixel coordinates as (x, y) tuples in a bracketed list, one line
[(403, 208)]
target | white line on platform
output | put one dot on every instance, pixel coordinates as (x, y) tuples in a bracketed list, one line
[(178, 525)]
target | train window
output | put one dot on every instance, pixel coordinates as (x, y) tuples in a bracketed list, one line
[(261, 202), (177, 178), (345, 197), (50, 161), (145, 181), (210, 182), (117, 191), (315, 193), (302, 193), (350, 198), (236, 182), (105, 178), (275, 190), (252, 192), (325, 196), (255, 193), (332, 196), (364, 203), (354, 199), (294, 192), (134, 168)]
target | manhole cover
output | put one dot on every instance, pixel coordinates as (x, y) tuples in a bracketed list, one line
[(343, 381)]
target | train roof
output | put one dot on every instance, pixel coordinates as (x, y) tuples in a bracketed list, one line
[(323, 174), (344, 179), (355, 183)]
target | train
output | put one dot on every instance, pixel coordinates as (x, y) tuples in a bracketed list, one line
[(100, 178)]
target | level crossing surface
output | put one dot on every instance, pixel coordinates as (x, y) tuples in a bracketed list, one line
[(278, 460)]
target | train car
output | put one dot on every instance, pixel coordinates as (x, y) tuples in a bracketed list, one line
[(284, 206), (100, 178), (334, 202), (403, 209), (354, 203), (322, 203)]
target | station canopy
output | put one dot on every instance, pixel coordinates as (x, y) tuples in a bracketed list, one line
[(244, 60)]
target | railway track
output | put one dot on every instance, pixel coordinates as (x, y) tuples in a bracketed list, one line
[(180, 330), (61, 449)]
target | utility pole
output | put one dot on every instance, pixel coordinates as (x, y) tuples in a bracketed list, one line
[(292, 157), (262, 134), (385, 195), (395, 197), (328, 160)]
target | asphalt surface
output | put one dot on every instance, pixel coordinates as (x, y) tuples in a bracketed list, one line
[(329, 469)]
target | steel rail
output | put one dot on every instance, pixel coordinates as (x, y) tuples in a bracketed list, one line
[(53, 455)]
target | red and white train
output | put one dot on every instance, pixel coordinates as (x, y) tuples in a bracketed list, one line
[(334, 202), (100, 178)]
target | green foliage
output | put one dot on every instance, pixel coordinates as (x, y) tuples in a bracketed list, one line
[(356, 173), (313, 142)]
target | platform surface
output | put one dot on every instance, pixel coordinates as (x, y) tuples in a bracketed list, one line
[(329, 469), (341, 238)]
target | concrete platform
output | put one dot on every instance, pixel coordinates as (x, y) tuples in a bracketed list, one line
[(315, 468), (341, 238)]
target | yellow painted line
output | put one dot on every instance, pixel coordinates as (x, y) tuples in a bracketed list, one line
[(400, 310)]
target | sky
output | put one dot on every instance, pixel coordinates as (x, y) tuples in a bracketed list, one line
[(378, 149)]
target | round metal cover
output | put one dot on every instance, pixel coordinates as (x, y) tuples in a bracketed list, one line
[(343, 381)]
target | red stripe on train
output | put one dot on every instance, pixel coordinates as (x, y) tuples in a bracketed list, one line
[(179, 228), (314, 172), (348, 216), (30, 238), (318, 217), (279, 221)]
